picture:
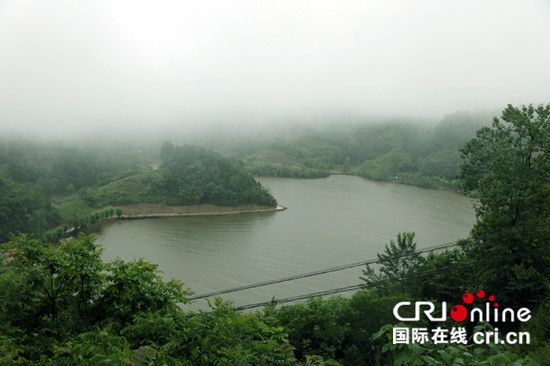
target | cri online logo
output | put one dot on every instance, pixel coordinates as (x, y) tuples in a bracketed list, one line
[(460, 313)]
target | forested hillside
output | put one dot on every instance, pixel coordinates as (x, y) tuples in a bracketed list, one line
[(188, 175), (396, 151), (33, 175), (43, 186)]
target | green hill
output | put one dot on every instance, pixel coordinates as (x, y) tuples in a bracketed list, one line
[(274, 163), (189, 175)]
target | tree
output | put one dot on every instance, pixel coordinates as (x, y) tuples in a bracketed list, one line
[(25, 208), (54, 293), (397, 264), (508, 165), (192, 175), (62, 305), (118, 212), (166, 150), (347, 164)]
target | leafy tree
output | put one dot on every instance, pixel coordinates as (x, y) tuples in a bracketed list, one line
[(55, 293), (387, 166), (118, 211), (508, 165), (347, 164), (336, 328), (166, 150), (25, 208), (443, 276), (443, 163), (219, 337), (317, 327), (62, 305), (74, 167), (367, 311), (193, 175), (397, 264), (539, 329)]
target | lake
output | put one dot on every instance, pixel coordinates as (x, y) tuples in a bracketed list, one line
[(329, 222)]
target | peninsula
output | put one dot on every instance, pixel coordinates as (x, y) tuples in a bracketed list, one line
[(190, 181)]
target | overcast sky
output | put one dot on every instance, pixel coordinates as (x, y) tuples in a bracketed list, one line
[(67, 65)]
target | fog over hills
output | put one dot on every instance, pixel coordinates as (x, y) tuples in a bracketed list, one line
[(135, 68)]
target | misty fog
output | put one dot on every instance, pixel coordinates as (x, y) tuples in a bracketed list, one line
[(134, 68)]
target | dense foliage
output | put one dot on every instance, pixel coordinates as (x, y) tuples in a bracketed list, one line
[(338, 328), (189, 175), (192, 175), (508, 164), (398, 151), (25, 208), (279, 170), (85, 181), (52, 294), (61, 304), (32, 174), (68, 169)]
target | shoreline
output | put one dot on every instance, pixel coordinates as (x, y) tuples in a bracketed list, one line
[(151, 211), (436, 186), (154, 210)]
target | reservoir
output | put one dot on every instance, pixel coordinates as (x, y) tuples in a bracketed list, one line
[(329, 222)]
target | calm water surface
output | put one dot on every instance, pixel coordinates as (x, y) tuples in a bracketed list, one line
[(329, 222)]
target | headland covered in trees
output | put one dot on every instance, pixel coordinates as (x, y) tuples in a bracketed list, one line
[(61, 304), (86, 185), (190, 181)]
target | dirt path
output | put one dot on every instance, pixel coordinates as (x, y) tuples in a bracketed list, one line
[(152, 210)]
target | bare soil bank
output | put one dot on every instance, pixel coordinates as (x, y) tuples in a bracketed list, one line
[(153, 210)]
